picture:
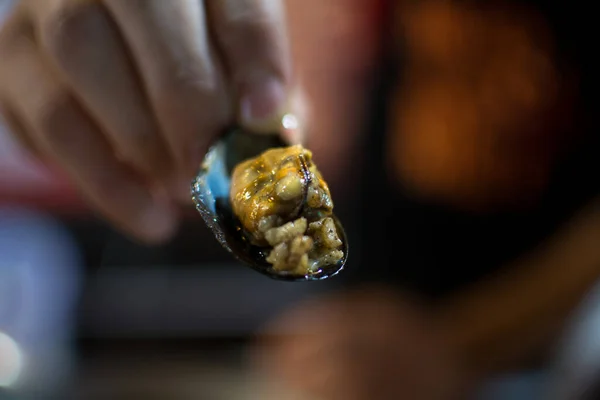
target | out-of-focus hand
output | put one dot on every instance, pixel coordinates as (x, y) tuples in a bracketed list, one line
[(126, 95), (362, 345)]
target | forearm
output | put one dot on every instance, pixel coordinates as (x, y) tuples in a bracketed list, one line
[(499, 322)]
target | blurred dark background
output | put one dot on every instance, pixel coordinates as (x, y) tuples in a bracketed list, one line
[(172, 316)]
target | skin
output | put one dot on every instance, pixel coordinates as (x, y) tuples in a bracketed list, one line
[(126, 96)]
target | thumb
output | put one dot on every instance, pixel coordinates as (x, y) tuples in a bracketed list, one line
[(253, 38)]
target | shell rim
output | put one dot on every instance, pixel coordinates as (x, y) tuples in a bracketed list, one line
[(211, 219)]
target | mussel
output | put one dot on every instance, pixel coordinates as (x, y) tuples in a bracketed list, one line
[(268, 205)]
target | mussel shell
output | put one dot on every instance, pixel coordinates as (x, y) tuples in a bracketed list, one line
[(210, 193)]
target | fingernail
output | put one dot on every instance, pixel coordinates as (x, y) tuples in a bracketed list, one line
[(295, 123), (299, 125), (262, 101)]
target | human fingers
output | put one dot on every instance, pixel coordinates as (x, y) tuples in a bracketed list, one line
[(253, 38), (86, 48), (182, 76), (63, 131)]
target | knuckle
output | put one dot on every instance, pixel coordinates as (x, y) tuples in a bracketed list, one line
[(103, 182), (143, 151), (141, 146), (102, 185), (251, 22), (187, 78), (54, 119), (242, 31), (68, 28), (14, 35), (250, 12)]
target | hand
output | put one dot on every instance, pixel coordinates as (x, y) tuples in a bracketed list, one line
[(126, 95), (361, 345)]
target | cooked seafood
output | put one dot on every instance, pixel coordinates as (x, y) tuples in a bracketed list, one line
[(284, 204)]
